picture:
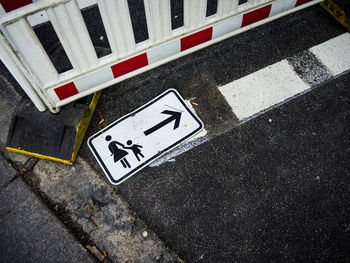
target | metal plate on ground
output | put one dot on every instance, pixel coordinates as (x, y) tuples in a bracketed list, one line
[(133, 141)]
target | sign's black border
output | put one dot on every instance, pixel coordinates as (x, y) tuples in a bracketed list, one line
[(153, 157)]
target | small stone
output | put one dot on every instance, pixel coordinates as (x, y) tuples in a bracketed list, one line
[(96, 252), (101, 37), (270, 120), (144, 234), (317, 178)]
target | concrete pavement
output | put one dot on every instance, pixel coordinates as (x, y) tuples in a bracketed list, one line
[(52, 212), (29, 232)]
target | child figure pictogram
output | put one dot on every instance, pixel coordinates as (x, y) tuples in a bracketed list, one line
[(135, 149)]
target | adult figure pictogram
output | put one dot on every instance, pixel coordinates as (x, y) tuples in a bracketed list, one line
[(118, 154)]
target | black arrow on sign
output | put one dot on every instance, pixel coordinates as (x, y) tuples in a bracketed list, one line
[(174, 115)]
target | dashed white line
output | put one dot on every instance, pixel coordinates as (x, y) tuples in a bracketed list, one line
[(273, 86), (262, 89), (334, 53)]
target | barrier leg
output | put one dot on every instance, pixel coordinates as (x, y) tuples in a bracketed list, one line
[(21, 79)]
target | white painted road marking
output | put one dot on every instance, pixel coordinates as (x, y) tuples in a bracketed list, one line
[(262, 89), (334, 53), (132, 142), (271, 86)]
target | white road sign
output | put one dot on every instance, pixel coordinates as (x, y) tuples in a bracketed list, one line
[(133, 141)]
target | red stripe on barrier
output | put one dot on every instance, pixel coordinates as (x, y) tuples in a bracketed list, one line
[(196, 38), (10, 5), (66, 91), (301, 2), (256, 15), (130, 65)]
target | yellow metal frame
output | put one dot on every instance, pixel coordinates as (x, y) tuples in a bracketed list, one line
[(80, 133), (84, 124), (336, 12), (37, 155)]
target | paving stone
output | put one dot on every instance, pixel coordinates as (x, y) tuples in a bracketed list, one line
[(7, 173), (8, 101), (29, 232), (90, 202)]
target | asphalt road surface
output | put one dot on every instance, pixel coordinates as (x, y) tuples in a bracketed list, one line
[(265, 191), (275, 188)]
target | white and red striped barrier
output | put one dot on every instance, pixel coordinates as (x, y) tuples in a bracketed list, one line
[(90, 74)]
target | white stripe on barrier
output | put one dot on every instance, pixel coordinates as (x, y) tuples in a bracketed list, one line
[(289, 4), (227, 26), (282, 6), (94, 79), (38, 18), (158, 17), (32, 52), (73, 35), (164, 51), (226, 7), (117, 22), (86, 3), (262, 89), (194, 13), (277, 8), (21, 78), (334, 53), (2, 10)]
